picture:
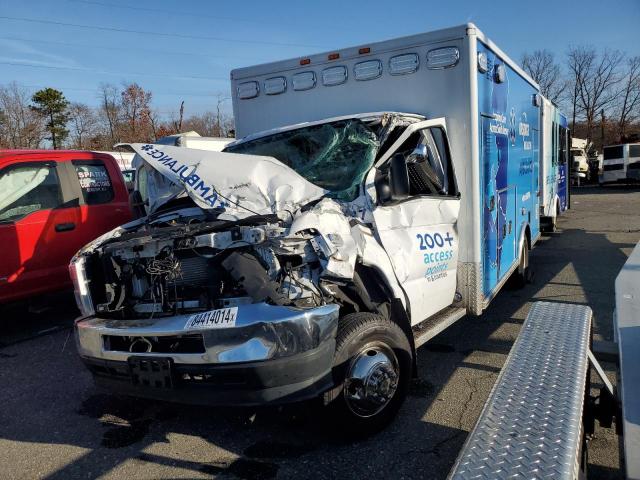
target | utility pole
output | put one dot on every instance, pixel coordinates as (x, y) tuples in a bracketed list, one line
[(181, 115), (602, 128)]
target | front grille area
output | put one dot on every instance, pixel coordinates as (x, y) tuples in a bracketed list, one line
[(192, 343), (634, 166), (616, 166)]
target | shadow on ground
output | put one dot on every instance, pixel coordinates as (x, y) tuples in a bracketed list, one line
[(122, 436)]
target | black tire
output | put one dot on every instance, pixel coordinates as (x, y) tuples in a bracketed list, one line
[(360, 334), (520, 276), (554, 220)]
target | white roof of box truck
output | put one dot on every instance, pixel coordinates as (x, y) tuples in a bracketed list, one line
[(370, 77), (374, 47)]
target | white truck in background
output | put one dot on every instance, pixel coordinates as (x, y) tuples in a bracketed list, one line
[(621, 163), (378, 194), (194, 140), (579, 161)]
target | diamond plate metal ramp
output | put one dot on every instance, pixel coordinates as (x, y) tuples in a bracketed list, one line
[(531, 425)]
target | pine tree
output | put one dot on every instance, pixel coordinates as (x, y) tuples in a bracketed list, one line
[(51, 104)]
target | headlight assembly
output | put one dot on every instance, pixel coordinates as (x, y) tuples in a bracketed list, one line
[(81, 286)]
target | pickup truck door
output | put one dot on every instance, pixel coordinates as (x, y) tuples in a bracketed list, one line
[(419, 232), (35, 216)]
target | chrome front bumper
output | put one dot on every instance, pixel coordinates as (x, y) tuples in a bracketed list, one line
[(262, 332)]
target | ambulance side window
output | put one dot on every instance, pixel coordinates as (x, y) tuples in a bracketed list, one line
[(428, 163)]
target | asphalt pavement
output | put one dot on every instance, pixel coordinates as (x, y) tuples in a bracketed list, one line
[(55, 424)]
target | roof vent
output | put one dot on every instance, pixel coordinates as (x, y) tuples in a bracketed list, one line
[(304, 80), (248, 90), (403, 64), (367, 70), (334, 76), (275, 85), (445, 57)]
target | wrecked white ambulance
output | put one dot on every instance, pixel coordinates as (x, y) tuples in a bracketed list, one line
[(311, 260)]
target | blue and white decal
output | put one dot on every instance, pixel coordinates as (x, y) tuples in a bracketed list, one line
[(509, 156), (437, 253)]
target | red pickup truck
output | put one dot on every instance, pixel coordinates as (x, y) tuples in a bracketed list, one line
[(53, 202)]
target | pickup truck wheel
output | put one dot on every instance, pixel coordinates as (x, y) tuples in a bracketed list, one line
[(372, 369)]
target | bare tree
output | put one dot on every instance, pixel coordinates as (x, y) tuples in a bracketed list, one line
[(136, 111), (629, 108), (579, 60), (204, 124), (20, 126), (82, 123), (541, 66), (110, 110), (220, 118), (594, 78)]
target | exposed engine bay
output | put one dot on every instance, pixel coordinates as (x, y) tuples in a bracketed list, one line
[(244, 227), (189, 264)]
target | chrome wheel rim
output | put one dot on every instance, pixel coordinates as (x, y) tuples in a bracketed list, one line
[(372, 380)]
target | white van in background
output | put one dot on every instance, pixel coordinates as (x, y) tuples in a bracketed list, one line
[(194, 140), (621, 163), (122, 158)]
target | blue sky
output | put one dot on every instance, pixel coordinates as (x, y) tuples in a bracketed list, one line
[(191, 45)]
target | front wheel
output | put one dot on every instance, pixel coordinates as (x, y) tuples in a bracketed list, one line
[(372, 369)]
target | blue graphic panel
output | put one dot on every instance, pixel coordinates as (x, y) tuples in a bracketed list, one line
[(562, 186), (563, 173), (509, 156)]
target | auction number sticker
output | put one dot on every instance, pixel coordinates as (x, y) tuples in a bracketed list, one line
[(221, 318)]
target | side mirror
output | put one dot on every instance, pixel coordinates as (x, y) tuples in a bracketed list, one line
[(399, 181)]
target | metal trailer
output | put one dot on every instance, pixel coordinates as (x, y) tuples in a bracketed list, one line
[(540, 412), (492, 113)]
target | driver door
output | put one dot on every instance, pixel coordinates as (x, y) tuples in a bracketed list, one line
[(418, 226)]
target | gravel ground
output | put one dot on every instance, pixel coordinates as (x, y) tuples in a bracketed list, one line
[(55, 424)]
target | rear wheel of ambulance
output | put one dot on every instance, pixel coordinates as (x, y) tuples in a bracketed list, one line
[(521, 275), (372, 369), (553, 223)]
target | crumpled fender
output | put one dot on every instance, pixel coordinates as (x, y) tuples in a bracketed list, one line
[(334, 244)]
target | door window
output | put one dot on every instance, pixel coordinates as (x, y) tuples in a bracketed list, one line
[(562, 151), (27, 189), (94, 181), (428, 163)]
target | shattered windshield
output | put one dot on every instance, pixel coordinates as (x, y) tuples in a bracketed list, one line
[(334, 156)]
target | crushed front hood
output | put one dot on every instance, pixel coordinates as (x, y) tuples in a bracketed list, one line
[(244, 185)]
